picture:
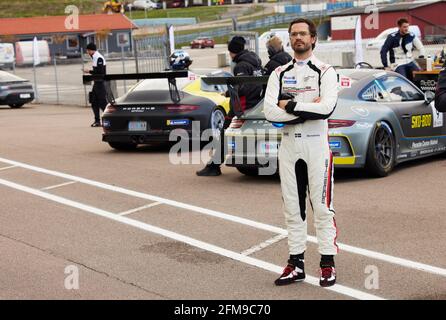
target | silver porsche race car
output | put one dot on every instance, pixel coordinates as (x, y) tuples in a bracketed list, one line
[(381, 119)]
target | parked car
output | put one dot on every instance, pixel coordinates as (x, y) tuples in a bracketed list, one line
[(381, 120), (146, 4), (378, 42), (147, 113), (7, 58), (15, 91), (24, 52), (202, 42)]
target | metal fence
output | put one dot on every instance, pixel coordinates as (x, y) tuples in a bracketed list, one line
[(151, 52), (240, 26)]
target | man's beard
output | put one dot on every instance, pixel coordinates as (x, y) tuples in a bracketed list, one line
[(300, 50)]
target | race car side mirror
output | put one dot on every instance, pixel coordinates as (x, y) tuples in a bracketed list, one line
[(429, 96)]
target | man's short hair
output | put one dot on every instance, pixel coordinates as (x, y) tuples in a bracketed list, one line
[(91, 46), (311, 27), (402, 21)]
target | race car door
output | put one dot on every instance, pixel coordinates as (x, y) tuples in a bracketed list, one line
[(417, 118), (421, 123)]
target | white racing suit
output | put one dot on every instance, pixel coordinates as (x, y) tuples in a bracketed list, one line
[(305, 159)]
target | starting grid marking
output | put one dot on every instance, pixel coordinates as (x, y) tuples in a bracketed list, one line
[(185, 239), (264, 245), (281, 233), (59, 185)]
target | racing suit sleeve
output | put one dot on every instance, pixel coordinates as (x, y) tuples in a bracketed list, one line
[(384, 50), (324, 108), (419, 45), (271, 109)]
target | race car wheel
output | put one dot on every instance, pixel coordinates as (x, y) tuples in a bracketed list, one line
[(381, 151), (252, 172), (121, 146), (217, 121), (16, 105)]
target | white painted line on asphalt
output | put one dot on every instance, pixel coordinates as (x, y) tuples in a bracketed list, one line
[(258, 225), (59, 185), (357, 294), (125, 213), (8, 167), (263, 245)]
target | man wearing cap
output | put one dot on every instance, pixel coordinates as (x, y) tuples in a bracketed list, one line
[(98, 95), (247, 63)]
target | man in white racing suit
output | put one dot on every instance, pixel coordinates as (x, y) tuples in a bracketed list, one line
[(302, 95)]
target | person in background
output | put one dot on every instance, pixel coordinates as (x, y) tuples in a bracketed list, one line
[(399, 46), (247, 63), (98, 95), (277, 55)]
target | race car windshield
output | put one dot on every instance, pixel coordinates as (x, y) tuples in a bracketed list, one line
[(160, 84)]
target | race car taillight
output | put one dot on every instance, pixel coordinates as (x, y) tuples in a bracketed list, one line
[(332, 123), (110, 109), (182, 108), (236, 123)]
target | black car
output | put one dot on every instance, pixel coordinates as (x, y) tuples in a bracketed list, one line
[(15, 91), (148, 113)]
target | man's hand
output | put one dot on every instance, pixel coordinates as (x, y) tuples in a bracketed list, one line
[(282, 104), (86, 70), (388, 68)]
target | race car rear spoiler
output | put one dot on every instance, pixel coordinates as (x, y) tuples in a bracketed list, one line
[(169, 75), (233, 92), (135, 76)]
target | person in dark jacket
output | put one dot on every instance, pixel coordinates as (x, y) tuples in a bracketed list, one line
[(399, 46), (247, 63), (440, 93), (98, 95), (277, 55)]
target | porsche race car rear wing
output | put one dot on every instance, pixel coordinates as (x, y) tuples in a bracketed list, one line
[(169, 75)]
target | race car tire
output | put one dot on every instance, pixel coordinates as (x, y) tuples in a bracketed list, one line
[(122, 146), (251, 172), (380, 158), (217, 120), (16, 105)]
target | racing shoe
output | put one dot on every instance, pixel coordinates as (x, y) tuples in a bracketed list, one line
[(96, 124), (211, 170), (290, 274), (328, 276)]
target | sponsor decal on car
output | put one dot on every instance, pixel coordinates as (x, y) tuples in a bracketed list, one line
[(345, 82), (335, 144), (178, 122), (424, 143), (421, 121)]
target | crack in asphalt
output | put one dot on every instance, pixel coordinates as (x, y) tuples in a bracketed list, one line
[(83, 265)]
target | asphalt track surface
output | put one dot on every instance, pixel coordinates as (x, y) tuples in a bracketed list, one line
[(138, 227)]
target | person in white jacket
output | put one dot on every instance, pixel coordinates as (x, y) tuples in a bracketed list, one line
[(302, 95), (399, 46)]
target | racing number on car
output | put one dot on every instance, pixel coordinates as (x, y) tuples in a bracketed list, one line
[(421, 121)]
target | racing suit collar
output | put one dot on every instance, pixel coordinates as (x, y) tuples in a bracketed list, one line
[(303, 62)]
